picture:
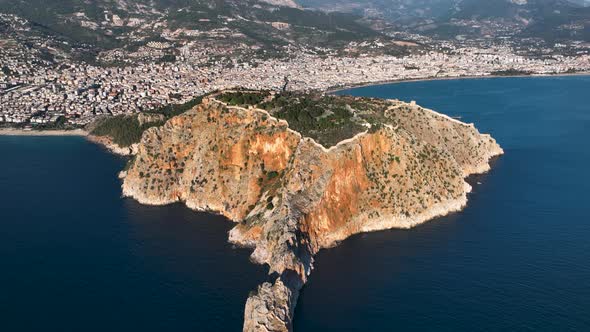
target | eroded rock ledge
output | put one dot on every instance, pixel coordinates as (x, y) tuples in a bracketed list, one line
[(108, 144), (290, 196)]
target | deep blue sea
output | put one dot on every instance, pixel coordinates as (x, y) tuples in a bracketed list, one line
[(75, 256)]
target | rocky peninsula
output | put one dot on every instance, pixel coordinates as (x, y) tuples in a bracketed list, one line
[(301, 172)]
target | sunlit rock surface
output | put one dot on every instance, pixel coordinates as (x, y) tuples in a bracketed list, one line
[(291, 197)]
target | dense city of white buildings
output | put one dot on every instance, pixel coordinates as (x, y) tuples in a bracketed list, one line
[(39, 93)]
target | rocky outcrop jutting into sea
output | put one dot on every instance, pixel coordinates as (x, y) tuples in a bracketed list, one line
[(291, 196)]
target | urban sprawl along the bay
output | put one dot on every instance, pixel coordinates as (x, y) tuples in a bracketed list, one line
[(34, 91)]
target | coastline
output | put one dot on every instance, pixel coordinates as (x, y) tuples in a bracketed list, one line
[(332, 90), (313, 173), (336, 89), (49, 132), (104, 142), (107, 143)]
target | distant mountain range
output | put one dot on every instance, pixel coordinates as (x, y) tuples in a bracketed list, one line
[(404, 9), (270, 26), (116, 23), (547, 19)]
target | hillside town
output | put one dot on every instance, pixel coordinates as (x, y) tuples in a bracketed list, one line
[(36, 91)]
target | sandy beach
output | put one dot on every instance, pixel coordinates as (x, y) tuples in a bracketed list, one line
[(23, 132)]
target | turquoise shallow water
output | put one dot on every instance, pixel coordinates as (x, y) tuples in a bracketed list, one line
[(75, 256)]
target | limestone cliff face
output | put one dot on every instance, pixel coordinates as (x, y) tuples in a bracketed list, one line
[(290, 196)]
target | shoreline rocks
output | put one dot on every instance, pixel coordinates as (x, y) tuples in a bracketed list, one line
[(108, 144), (291, 197)]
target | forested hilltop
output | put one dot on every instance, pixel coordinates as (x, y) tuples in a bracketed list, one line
[(126, 130)]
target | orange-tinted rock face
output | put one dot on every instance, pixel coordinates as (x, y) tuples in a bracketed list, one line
[(342, 194), (292, 196), (378, 180), (212, 158)]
